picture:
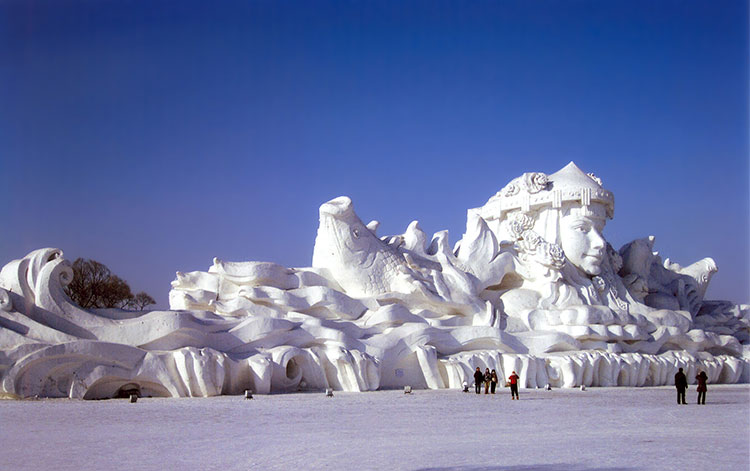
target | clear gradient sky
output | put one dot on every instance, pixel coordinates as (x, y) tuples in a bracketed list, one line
[(153, 136)]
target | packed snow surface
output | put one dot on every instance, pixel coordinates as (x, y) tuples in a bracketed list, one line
[(562, 430)]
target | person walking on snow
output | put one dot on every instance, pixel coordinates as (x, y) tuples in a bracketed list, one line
[(513, 380), (487, 378), (680, 382), (702, 378), (493, 381), (478, 378)]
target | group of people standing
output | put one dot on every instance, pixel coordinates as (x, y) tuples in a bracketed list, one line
[(680, 382), (490, 379)]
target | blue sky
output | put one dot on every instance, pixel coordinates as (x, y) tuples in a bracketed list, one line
[(153, 136)]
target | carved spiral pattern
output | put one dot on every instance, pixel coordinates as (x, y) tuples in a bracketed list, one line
[(536, 182), (557, 255), (66, 273), (530, 241), (516, 229), (519, 223), (510, 189)]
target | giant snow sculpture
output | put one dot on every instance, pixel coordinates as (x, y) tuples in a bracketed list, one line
[(532, 286)]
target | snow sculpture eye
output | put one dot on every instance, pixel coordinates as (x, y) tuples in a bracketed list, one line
[(355, 233)]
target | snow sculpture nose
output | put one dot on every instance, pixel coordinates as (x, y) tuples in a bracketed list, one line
[(597, 240)]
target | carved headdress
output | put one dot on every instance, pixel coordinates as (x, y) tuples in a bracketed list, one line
[(535, 190)]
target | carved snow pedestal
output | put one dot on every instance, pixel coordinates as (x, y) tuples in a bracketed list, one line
[(532, 287)]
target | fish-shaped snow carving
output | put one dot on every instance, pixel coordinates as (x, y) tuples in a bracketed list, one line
[(366, 266), (362, 264)]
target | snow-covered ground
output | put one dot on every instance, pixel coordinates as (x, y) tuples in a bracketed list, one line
[(562, 430)]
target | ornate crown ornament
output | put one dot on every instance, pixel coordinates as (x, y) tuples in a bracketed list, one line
[(535, 190)]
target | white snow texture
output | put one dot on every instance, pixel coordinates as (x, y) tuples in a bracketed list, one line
[(532, 287)]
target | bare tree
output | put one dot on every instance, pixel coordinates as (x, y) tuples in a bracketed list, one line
[(94, 286), (141, 300)]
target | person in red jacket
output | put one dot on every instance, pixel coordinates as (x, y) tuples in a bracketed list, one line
[(702, 378), (513, 380)]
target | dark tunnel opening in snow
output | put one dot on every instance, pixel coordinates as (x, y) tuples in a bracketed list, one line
[(118, 388)]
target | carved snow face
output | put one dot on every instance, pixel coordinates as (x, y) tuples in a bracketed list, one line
[(581, 237)]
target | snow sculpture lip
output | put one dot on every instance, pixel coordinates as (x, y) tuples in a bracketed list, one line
[(597, 256)]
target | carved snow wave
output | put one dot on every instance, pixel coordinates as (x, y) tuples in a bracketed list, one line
[(53, 348), (90, 369)]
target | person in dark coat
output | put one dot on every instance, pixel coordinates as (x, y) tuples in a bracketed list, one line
[(680, 382), (487, 379), (513, 380), (702, 378), (478, 379), (493, 381)]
